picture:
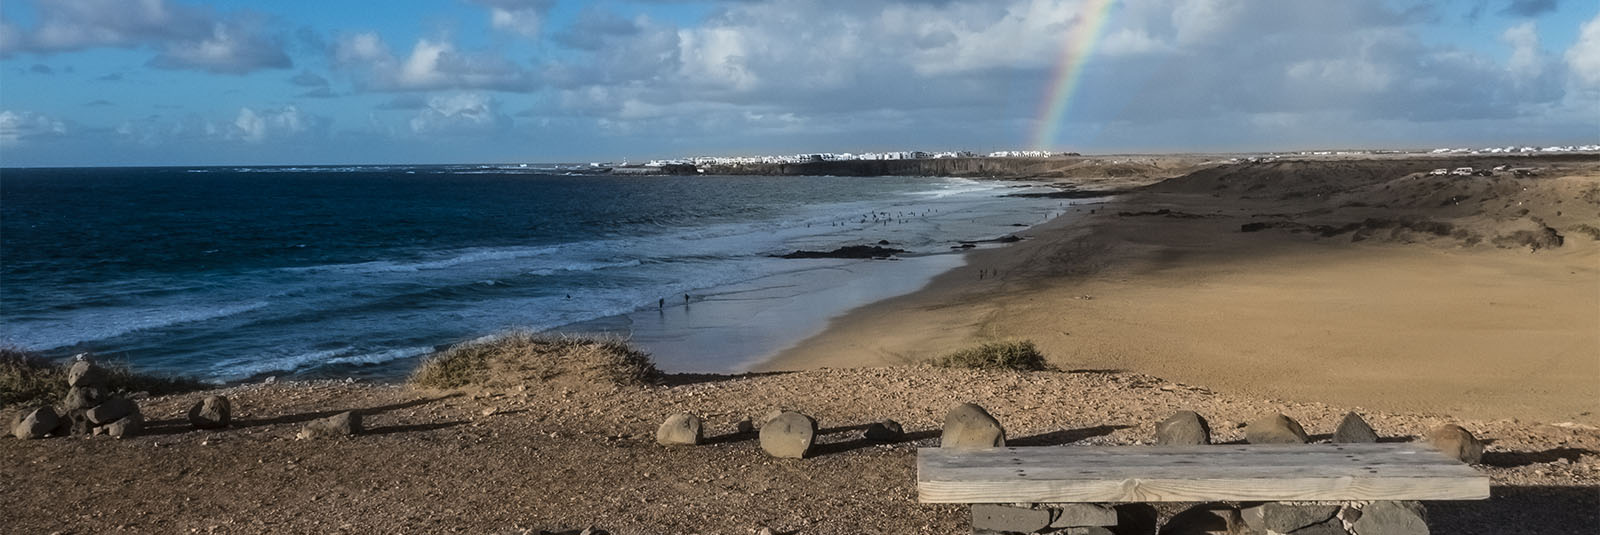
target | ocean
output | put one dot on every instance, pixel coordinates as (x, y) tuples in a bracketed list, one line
[(233, 274)]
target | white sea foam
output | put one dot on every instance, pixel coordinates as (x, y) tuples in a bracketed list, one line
[(91, 324)]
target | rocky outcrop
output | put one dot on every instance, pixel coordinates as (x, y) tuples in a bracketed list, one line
[(848, 251)]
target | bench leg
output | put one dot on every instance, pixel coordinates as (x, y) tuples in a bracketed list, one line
[(1065, 519)]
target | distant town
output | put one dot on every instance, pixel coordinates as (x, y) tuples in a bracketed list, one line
[(924, 155)]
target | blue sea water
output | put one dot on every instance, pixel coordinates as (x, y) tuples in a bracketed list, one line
[(234, 273)]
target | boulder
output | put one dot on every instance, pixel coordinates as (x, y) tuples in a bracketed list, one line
[(1087, 530), (112, 410), (1332, 526), (126, 427), (36, 423), (83, 397), (998, 518), (1185, 428), (682, 429), (884, 432), (968, 427), (1275, 429), (339, 425), (1392, 518), (1076, 515), (85, 373), (1205, 519), (1284, 518), (1354, 430), (1457, 442), (1136, 519), (213, 412), (73, 422), (789, 436)]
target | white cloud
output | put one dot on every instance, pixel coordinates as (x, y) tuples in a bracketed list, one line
[(459, 114), (431, 65), (256, 126), (523, 17), (1525, 60), (19, 127), (185, 36), (229, 50), (1583, 59), (249, 126)]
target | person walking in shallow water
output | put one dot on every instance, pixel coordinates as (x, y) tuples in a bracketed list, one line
[(661, 303), (685, 299)]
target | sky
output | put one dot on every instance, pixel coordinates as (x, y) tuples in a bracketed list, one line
[(232, 82)]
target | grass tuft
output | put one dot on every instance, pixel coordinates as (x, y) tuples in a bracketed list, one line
[(1012, 355), (522, 357), (26, 378)]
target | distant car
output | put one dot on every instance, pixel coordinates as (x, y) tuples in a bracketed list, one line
[(1462, 171), (1437, 172)]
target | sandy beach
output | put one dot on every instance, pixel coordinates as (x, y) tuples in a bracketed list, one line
[(1163, 281)]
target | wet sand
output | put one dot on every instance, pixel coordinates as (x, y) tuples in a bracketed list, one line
[(1397, 321)]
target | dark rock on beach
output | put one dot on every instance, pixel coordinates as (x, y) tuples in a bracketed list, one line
[(1275, 429), (884, 432), (36, 424), (848, 251), (213, 412), (338, 425), (112, 410), (85, 373), (1185, 428), (1353, 430), (1455, 441)]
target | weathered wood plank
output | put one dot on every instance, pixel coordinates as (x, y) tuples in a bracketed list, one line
[(1196, 473)]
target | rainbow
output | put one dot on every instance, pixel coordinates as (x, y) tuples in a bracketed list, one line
[(1076, 47)]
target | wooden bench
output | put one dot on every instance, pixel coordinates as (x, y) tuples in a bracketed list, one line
[(1219, 473)]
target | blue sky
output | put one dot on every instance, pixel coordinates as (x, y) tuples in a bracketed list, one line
[(175, 82)]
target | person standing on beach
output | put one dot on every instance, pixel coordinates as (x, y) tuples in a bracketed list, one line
[(661, 303), (685, 299)]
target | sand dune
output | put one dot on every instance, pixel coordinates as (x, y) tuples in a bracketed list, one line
[(1364, 283)]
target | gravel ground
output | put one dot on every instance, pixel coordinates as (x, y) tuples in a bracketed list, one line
[(569, 456)]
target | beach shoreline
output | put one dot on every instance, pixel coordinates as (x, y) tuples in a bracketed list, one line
[(1162, 281)]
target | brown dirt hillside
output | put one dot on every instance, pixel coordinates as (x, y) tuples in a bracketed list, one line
[(546, 457)]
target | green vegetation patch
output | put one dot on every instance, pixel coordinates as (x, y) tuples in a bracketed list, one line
[(1019, 355), (521, 358)]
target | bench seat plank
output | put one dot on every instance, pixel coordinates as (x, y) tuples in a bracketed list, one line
[(1333, 472)]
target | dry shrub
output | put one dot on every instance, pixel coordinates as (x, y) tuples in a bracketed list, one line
[(26, 378), (1019, 355), (521, 357)]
